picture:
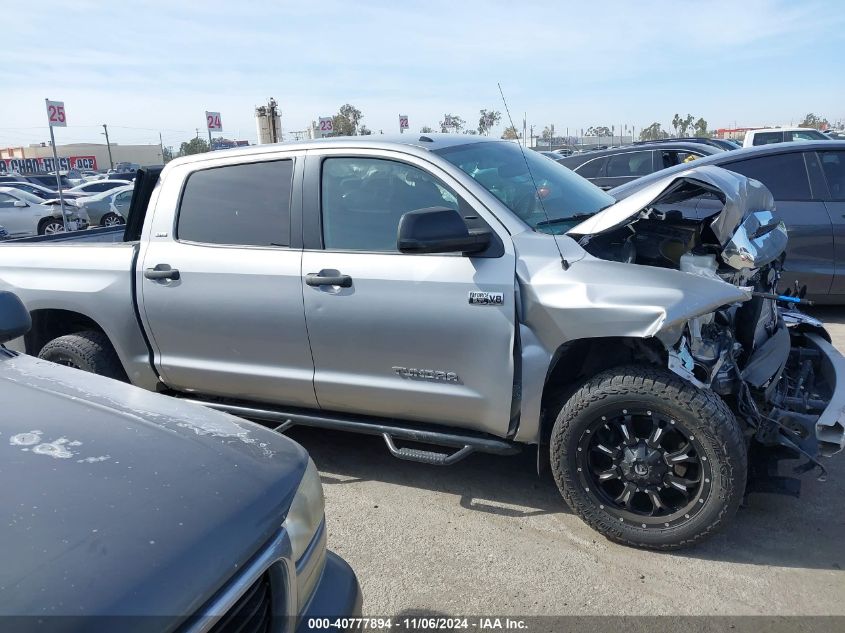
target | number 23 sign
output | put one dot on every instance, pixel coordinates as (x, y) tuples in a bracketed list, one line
[(56, 114), (213, 121)]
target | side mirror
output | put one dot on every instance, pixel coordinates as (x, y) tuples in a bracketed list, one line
[(14, 318), (438, 230), (21, 204)]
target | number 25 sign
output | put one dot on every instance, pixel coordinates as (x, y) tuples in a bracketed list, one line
[(212, 119), (56, 114)]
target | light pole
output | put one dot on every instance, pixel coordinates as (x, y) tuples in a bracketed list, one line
[(108, 145)]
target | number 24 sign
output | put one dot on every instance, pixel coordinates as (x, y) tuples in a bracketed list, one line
[(213, 121), (56, 114)]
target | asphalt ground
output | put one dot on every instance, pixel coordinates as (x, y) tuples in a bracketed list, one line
[(488, 536)]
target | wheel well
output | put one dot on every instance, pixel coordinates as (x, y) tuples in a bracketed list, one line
[(50, 324), (575, 362)]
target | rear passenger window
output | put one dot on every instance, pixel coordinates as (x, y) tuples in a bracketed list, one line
[(629, 164), (591, 169), (363, 200), (247, 205), (784, 174)]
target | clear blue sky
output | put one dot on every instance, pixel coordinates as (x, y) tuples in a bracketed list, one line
[(160, 65)]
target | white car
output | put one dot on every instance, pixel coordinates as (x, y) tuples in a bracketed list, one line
[(107, 208), (24, 214), (767, 135), (93, 187)]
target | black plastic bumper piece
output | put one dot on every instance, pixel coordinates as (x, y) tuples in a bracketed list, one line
[(337, 597)]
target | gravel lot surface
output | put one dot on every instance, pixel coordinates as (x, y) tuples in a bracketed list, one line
[(487, 536)]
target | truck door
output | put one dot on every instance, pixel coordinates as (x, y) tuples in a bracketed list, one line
[(403, 339), (219, 281)]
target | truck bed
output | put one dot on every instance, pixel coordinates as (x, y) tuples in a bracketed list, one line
[(85, 275)]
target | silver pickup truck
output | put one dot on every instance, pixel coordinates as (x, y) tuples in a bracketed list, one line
[(457, 294)]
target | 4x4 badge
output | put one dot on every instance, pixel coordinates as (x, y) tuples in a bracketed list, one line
[(486, 298)]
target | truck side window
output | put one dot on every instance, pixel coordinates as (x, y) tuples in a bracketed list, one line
[(245, 205), (363, 200)]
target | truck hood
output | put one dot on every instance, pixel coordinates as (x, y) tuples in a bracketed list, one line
[(117, 501), (740, 195)]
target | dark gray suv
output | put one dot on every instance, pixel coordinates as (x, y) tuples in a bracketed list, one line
[(616, 166), (807, 180)]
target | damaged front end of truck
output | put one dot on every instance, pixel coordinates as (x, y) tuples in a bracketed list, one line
[(771, 363)]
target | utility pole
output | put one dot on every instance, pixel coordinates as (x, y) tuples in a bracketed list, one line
[(108, 145), (274, 133), (161, 145)]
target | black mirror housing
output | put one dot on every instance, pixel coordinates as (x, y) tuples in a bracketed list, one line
[(14, 317), (438, 230)]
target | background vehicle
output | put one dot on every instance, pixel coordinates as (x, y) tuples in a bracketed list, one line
[(108, 208), (613, 167), (24, 214), (121, 175), (807, 180), (766, 136), (460, 293), (48, 180), (720, 143), (200, 514), (40, 191), (97, 186), (836, 135)]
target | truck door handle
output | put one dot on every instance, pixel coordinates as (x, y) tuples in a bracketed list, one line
[(159, 273), (318, 279)]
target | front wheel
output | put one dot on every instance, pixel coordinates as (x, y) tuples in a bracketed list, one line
[(112, 219), (51, 226), (648, 459)]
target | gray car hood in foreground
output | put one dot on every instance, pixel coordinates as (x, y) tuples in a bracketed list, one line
[(738, 193), (120, 501)]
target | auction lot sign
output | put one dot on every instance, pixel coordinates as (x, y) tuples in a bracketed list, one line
[(46, 165)]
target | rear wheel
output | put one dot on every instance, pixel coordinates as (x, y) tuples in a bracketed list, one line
[(111, 219), (648, 459), (51, 226), (89, 351)]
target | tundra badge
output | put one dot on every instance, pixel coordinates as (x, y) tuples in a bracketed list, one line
[(486, 298)]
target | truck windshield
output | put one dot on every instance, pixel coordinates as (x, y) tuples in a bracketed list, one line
[(543, 193)]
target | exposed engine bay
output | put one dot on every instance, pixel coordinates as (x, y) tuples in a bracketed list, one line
[(760, 355)]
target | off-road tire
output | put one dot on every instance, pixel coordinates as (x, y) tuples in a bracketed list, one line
[(701, 411), (89, 351)]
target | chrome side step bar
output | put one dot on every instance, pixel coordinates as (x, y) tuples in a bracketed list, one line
[(389, 430)]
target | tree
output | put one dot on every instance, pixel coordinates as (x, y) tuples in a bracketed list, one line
[(426, 130), (167, 156), (510, 133), (194, 146), (488, 120), (681, 125), (653, 132), (346, 121), (599, 131), (452, 122), (365, 131), (700, 128), (814, 121)]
